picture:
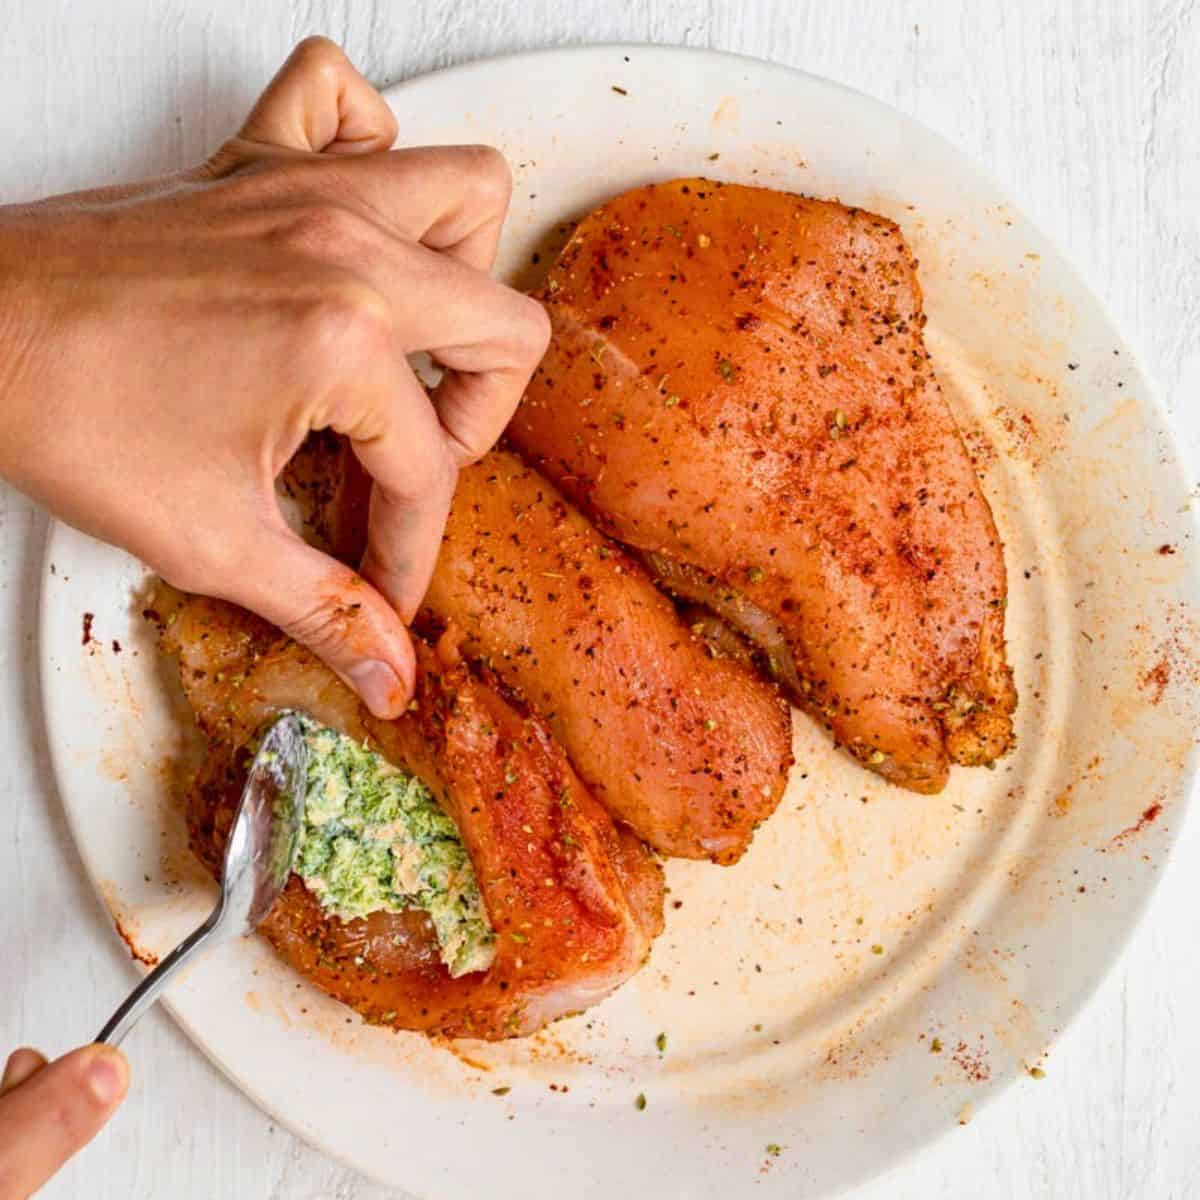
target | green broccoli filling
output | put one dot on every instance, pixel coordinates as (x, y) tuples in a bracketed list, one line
[(375, 839)]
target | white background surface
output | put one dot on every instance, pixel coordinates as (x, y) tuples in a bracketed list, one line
[(1087, 112)]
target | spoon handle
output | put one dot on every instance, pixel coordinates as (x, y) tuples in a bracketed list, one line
[(150, 988)]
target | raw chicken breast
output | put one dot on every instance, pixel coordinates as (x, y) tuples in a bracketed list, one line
[(574, 901), (738, 388)]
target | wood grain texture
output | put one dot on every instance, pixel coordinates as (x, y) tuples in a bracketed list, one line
[(1084, 108)]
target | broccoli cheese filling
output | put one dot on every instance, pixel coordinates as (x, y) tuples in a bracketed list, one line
[(376, 840)]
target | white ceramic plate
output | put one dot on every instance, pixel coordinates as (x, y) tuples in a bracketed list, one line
[(880, 962)]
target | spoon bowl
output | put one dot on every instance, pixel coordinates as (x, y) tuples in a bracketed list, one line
[(259, 856)]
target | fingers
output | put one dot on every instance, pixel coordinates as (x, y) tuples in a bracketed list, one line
[(319, 103), (475, 400), (413, 466), (421, 227), (360, 386), (329, 608), (489, 338), (53, 1111), (452, 199), (21, 1064), (449, 198), (398, 299)]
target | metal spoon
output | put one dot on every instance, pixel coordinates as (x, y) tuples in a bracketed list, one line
[(259, 857)]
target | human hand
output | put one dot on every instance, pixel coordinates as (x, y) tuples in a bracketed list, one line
[(50, 1111), (165, 347)]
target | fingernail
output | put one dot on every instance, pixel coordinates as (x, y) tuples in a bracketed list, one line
[(378, 685), (107, 1077)]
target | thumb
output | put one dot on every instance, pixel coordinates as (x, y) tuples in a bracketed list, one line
[(324, 605), (50, 1112)]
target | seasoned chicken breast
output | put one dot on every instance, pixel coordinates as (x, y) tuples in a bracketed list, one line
[(574, 901), (689, 749), (738, 389)]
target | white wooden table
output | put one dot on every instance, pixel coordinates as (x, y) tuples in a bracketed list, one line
[(1086, 110)]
